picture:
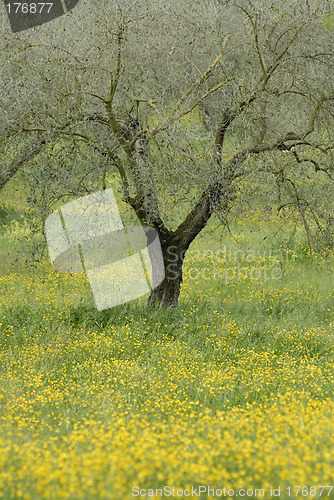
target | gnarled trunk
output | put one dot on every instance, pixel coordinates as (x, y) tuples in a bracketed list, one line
[(167, 293)]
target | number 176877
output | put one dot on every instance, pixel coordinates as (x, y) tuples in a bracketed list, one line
[(25, 8)]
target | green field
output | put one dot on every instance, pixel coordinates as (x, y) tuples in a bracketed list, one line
[(233, 389)]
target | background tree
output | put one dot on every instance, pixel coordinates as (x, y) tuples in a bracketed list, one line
[(183, 101)]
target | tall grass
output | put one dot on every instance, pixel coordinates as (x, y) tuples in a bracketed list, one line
[(234, 388)]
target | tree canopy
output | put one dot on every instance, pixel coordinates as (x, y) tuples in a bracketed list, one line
[(178, 99)]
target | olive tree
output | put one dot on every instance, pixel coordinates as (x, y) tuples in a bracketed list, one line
[(182, 101)]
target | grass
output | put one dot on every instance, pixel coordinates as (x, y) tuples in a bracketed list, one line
[(233, 389)]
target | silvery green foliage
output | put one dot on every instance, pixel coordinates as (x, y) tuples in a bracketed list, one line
[(49, 73), (56, 76)]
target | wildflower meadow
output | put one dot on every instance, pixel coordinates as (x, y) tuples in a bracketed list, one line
[(228, 395)]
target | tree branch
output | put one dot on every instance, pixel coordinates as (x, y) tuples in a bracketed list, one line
[(21, 158), (174, 115)]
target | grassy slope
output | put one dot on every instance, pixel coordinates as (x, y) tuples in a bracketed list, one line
[(233, 389)]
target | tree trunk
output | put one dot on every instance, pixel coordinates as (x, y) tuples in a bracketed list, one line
[(167, 293), (307, 228), (175, 245)]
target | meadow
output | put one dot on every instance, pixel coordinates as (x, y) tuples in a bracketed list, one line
[(233, 389)]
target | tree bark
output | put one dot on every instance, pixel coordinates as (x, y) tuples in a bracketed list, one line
[(175, 246), (167, 293)]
